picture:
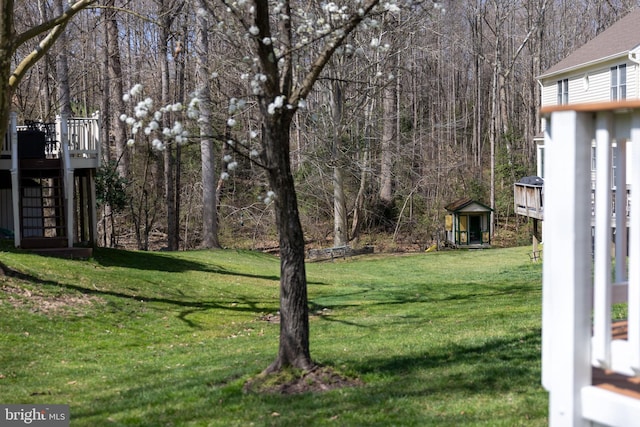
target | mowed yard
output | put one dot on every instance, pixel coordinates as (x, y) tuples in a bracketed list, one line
[(169, 339)]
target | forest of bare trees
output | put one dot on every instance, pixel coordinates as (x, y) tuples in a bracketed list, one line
[(419, 107)]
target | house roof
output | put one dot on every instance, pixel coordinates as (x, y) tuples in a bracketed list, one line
[(460, 204), (616, 41)]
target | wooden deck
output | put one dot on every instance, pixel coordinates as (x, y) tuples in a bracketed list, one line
[(617, 383)]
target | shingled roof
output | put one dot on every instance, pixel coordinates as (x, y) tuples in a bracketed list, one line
[(460, 204), (616, 41)]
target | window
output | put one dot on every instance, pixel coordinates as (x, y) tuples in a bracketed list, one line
[(619, 82), (563, 92)]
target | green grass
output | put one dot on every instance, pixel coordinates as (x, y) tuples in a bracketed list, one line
[(169, 339)]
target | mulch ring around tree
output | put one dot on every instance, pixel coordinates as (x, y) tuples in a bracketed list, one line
[(290, 381)]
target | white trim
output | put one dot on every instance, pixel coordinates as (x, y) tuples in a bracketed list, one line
[(609, 408)]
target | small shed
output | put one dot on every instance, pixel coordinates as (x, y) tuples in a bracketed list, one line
[(467, 224)]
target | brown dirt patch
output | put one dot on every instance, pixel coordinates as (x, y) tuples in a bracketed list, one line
[(316, 380), (39, 302)]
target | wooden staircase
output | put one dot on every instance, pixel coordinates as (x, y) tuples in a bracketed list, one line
[(42, 207)]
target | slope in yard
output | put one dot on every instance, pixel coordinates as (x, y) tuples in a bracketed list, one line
[(139, 338)]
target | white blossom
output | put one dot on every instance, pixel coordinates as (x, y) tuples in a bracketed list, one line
[(391, 7), (231, 122), (224, 176), (254, 30), (227, 158), (277, 103), (136, 89), (233, 165), (157, 145)]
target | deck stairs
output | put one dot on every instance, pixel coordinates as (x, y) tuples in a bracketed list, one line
[(42, 212), (52, 171)]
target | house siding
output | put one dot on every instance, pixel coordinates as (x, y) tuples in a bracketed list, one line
[(598, 89)]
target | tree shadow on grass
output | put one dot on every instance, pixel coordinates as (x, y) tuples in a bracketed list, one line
[(240, 304), (497, 365), (498, 368)]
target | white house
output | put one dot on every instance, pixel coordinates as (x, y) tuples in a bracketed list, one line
[(591, 113), (47, 183)]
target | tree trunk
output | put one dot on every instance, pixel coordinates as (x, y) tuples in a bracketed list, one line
[(386, 153), (62, 70), (209, 199), (7, 48), (116, 88), (294, 312), (169, 159), (340, 226)]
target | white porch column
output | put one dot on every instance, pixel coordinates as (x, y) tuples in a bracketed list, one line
[(15, 179), (566, 325)]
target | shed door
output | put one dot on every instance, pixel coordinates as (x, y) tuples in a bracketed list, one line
[(475, 229)]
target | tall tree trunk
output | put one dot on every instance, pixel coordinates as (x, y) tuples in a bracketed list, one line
[(45, 98), (386, 148), (294, 312), (169, 159), (62, 69), (340, 226), (207, 159), (116, 88), (7, 48), (105, 130)]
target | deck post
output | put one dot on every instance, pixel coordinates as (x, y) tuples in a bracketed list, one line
[(634, 252), (15, 179), (68, 177), (602, 247), (567, 289)]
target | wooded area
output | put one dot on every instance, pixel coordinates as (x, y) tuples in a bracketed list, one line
[(420, 106)]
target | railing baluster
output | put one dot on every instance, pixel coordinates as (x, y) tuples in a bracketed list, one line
[(621, 211), (601, 350), (634, 249)]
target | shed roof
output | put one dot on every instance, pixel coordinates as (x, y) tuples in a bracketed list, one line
[(616, 41), (460, 204)]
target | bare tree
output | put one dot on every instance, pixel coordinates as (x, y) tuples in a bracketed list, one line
[(10, 41), (279, 94)]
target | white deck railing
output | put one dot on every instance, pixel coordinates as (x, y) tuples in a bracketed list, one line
[(82, 136), (580, 286)]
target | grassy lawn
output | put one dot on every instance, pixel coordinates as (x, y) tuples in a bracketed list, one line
[(169, 339)]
